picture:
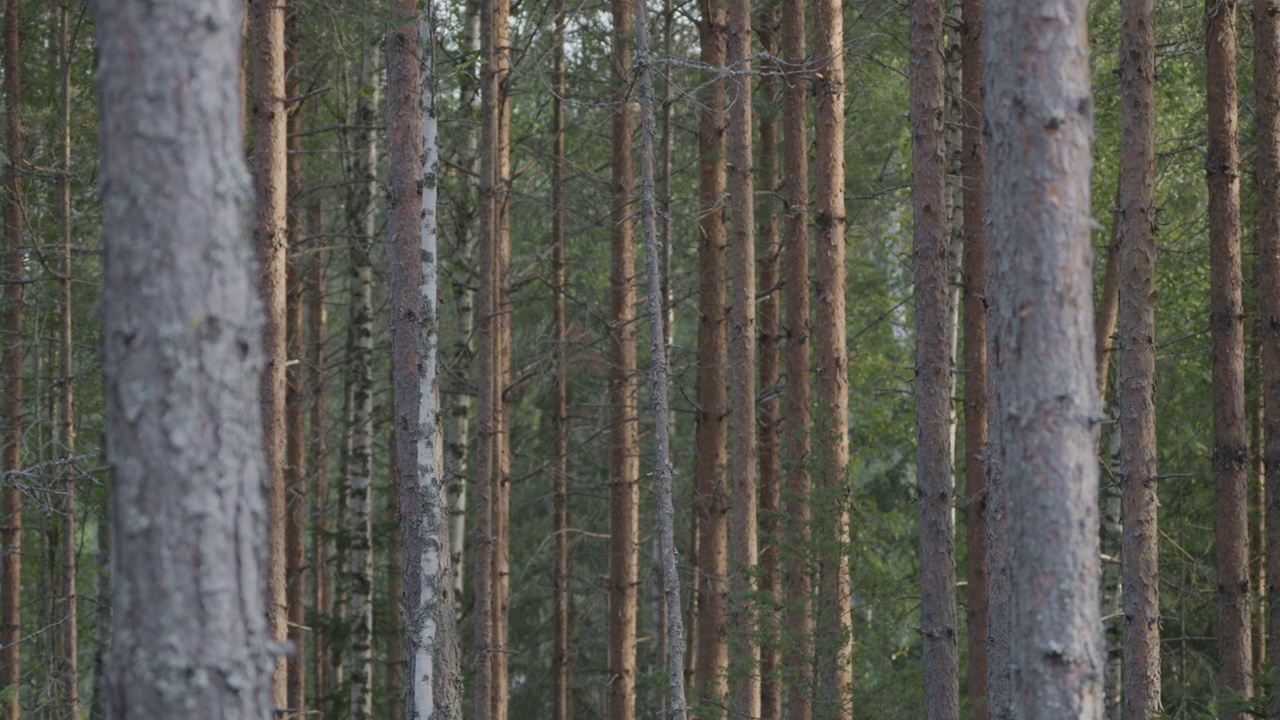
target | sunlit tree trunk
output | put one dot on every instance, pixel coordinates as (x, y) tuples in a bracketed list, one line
[(266, 23), (798, 621), (834, 673), (181, 319), (11, 423), (1230, 445), (711, 463), (1039, 119), (1136, 364), (973, 164), (624, 435)]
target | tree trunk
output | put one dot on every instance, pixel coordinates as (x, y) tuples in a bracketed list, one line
[(358, 570), (180, 318), (1267, 86), (974, 173), (266, 21), (295, 397), (744, 662), (624, 441), (561, 695), (796, 424), (1136, 364), (317, 289), (711, 463), (1230, 444), (12, 424), (770, 375), (1039, 123), (834, 672), (69, 669), (934, 437)]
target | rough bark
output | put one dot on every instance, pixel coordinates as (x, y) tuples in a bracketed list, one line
[(11, 423), (711, 463), (1266, 34), (1039, 121), (664, 472), (796, 423), (1230, 443), (1136, 364), (833, 671), (624, 436), (934, 437), (358, 570), (182, 355), (769, 407), (561, 697), (974, 180), (266, 22), (744, 661)]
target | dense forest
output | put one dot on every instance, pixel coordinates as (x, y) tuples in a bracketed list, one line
[(715, 359)]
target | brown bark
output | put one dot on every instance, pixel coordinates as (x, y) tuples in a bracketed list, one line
[(934, 451), (266, 21), (11, 424), (744, 661), (770, 371), (295, 396), (317, 317), (711, 463), (796, 423), (561, 697), (1108, 302), (1136, 364), (624, 436), (180, 318), (833, 671), (1230, 446), (395, 658), (1038, 112), (973, 170), (1266, 33)]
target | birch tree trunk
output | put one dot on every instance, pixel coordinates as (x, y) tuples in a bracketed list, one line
[(1038, 111), (181, 320)]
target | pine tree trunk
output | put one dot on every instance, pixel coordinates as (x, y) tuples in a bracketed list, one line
[(711, 463), (624, 440), (266, 22), (1045, 367), (1266, 34), (181, 319), (561, 695), (744, 661), (834, 675), (770, 372), (317, 315), (796, 423), (933, 366), (12, 424), (1136, 364), (1230, 447), (295, 397), (69, 664), (974, 180)]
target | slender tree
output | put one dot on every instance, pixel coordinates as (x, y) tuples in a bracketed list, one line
[(317, 316), (933, 366), (1040, 154), (180, 318), (974, 180), (266, 22), (1266, 32), (561, 697), (744, 661), (12, 423), (1230, 444), (796, 422), (834, 676), (711, 464), (1136, 363)]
